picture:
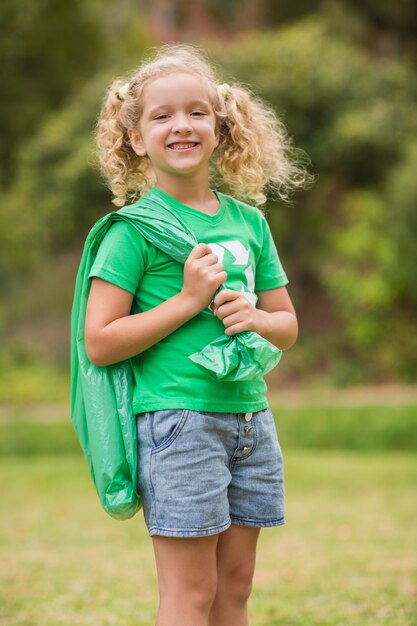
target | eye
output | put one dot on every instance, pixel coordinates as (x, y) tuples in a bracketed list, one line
[(198, 113), (161, 116)]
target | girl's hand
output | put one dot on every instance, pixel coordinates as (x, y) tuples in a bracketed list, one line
[(236, 312), (203, 275)]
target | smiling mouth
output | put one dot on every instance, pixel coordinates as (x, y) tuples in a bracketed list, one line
[(178, 147)]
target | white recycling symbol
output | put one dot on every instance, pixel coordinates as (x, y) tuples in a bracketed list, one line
[(241, 257)]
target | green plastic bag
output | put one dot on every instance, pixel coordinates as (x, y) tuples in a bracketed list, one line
[(101, 397)]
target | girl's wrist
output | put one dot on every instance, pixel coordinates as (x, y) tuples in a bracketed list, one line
[(187, 304), (278, 327), (262, 323)]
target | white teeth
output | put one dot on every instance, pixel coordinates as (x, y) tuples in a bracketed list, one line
[(182, 146)]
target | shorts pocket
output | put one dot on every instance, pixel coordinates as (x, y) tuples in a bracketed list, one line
[(272, 432), (166, 426)]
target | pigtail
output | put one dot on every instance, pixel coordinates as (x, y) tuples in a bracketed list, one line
[(255, 152), (128, 174)]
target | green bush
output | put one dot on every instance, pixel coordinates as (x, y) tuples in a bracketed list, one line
[(349, 428), (370, 428), (31, 438)]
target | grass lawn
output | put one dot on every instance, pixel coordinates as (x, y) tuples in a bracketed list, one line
[(347, 556)]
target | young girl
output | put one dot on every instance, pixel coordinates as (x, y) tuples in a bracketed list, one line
[(210, 465)]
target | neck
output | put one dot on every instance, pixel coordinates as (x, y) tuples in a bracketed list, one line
[(194, 193)]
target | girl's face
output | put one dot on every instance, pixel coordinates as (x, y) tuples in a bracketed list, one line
[(177, 129)]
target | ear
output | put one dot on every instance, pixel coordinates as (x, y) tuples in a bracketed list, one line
[(136, 142), (217, 135)]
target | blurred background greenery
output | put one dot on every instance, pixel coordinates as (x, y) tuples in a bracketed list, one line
[(341, 74)]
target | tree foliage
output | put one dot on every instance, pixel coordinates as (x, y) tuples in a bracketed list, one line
[(348, 243), (48, 48), (355, 116)]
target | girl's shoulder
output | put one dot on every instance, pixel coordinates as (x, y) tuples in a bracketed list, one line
[(117, 230), (251, 214)]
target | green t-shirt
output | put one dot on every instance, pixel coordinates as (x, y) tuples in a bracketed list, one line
[(165, 378)]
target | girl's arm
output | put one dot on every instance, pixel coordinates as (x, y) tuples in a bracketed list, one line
[(112, 334), (274, 318)]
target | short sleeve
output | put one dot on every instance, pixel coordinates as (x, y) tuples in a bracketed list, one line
[(269, 271), (122, 257)]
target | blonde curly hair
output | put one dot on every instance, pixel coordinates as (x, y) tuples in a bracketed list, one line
[(254, 152)]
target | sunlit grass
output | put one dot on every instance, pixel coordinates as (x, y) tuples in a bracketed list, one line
[(347, 556)]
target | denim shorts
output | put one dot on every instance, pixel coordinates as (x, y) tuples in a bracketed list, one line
[(199, 472)]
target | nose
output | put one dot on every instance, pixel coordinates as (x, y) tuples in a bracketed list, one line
[(181, 124)]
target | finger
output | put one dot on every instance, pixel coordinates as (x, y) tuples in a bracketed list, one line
[(200, 250), (231, 320), (236, 329), (209, 259), (229, 308), (216, 280), (226, 295), (221, 278)]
